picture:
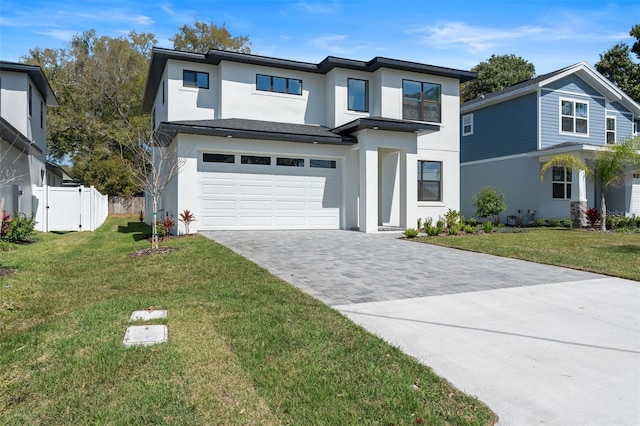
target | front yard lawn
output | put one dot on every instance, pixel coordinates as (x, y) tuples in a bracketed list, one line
[(611, 253), (244, 347)]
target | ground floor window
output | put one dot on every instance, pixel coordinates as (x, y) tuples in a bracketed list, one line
[(561, 183), (429, 180)]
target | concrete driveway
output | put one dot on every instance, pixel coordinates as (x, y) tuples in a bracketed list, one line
[(539, 344)]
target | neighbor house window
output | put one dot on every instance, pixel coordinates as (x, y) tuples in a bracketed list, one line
[(41, 115), (290, 162), (611, 130), (467, 125), (421, 101), (163, 91), (323, 164), (195, 79), (254, 159), (561, 181), (30, 99), (429, 181), (218, 158), (270, 83), (574, 117), (358, 95)]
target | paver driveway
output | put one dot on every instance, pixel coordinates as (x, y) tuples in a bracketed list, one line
[(539, 344)]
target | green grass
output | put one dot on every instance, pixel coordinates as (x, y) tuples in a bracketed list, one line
[(611, 253), (244, 347)]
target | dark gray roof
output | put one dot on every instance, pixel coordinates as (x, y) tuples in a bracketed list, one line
[(383, 123), (15, 138), (253, 129), (37, 76), (160, 56)]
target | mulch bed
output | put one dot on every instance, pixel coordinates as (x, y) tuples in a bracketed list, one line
[(4, 272), (151, 251)]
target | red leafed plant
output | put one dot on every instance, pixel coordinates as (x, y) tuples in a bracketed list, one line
[(187, 217), (593, 215), (168, 223), (6, 221)]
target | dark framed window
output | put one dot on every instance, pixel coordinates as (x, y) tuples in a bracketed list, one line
[(429, 180), (30, 100), (41, 115), (561, 181), (255, 159), (269, 83), (162, 92), (195, 79), (322, 164), (574, 117), (218, 158), (290, 162), (357, 95), (421, 101)]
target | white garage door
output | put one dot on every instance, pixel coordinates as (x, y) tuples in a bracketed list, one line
[(635, 194), (268, 192)]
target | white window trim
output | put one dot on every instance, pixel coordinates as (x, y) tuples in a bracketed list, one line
[(615, 129), (574, 133), (470, 132), (565, 182)]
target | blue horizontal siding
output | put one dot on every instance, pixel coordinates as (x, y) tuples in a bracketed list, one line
[(573, 84), (507, 128)]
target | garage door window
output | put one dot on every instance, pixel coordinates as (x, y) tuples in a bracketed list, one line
[(254, 159), (290, 162), (218, 158), (323, 164)]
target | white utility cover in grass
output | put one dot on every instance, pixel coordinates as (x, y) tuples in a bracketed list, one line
[(148, 315), (145, 335)]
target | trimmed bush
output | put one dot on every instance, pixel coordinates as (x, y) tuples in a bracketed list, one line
[(410, 233)]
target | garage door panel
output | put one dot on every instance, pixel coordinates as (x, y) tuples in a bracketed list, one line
[(242, 197)]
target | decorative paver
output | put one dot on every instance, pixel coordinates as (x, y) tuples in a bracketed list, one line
[(145, 335), (148, 315)]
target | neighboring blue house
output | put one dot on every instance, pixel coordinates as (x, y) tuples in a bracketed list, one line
[(507, 136)]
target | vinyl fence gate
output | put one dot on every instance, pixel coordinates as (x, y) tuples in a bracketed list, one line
[(70, 208)]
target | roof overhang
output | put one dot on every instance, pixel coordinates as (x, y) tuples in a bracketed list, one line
[(577, 149), (380, 123), (37, 77), (15, 138), (253, 129), (159, 57)]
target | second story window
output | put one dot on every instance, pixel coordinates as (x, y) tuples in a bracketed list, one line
[(574, 117), (358, 95), (421, 101), (611, 130), (195, 79), (42, 115), (270, 83), (467, 125), (30, 100)]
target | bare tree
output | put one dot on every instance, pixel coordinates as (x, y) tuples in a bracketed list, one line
[(8, 174), (153, 162)]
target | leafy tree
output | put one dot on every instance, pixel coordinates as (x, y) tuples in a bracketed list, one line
[(618, 65), (99, 82), (203, 36), (496, 73), (489, 202), (610, 168)]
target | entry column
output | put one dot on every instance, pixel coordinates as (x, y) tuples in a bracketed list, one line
[(368, 190)]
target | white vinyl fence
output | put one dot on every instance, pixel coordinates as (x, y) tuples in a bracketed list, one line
[(69, 208)]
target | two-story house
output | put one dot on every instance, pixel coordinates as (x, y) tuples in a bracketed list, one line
[(25, 95), (506, 137), (272, 143)]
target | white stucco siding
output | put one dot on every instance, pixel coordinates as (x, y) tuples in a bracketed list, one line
[(191, 148), (190, 103), (13, 100), (160, 105), (241, 99)]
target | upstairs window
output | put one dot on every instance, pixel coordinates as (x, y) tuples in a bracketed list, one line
[(429, 181), (195, 79), (269, 83), (421, 101), (30, 99), (358, 95), (561, 177), (467, 125), (611, 130), (42, 115), (574, 117)]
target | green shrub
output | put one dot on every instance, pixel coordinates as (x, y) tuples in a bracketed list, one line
[(567, 222), (554, 221), (161, 230), (489, 202), (6, 246), (20, 228), (410, 233), (468, 229), (472, 221), (440, 223), (487, 227), (419, 223), (511, 230), (454, 229), (430, 229), (452, 218), (540, 221)]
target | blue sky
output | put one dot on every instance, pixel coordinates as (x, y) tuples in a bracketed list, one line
[(452, 33)]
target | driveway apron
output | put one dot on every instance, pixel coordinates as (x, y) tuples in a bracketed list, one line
[(539, 344)]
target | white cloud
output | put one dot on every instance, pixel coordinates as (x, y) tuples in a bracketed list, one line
[(64, 35), (318, 8), (339, 44)]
